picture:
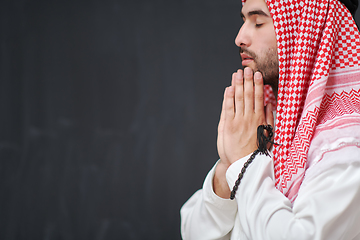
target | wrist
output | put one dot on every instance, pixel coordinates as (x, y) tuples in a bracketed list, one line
[(220, 185)]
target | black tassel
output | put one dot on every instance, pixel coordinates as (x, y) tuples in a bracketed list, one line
[(263, 140)]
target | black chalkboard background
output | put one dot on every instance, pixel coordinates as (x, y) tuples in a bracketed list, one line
[(108, 113)]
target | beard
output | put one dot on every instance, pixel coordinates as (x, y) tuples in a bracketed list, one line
[(267, 64)]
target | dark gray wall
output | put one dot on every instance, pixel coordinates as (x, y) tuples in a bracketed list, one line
[(108, 113)]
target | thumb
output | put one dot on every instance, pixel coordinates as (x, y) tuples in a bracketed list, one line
[(269, 115)]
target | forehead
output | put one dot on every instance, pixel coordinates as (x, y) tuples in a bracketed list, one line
[(254, 5)]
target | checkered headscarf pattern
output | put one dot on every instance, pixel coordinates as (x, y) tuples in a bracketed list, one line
[(315, 38), (269, 96)]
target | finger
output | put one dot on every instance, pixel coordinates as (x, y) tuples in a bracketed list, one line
[(270, 120), (248, 91), (239, 92), (269, 115), (229, 103), (259, 93), (222, 116), (233, 79), (220, 139)]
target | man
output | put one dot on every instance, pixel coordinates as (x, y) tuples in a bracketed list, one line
[(309, 187)]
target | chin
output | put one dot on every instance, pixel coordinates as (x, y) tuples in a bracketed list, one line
[(252, 66)]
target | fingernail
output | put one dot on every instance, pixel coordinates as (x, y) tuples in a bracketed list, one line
[(247, 71), (257, 75), (239, 76), (231, 89)]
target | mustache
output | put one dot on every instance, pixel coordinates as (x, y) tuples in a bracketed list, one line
[(247, 52)]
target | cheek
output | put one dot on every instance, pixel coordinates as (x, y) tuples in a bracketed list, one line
[(273, 41), (270, 37)]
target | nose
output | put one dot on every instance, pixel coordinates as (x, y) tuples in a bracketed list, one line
[(242, 39)]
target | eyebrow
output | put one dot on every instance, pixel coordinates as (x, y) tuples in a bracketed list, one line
[(254, 12)]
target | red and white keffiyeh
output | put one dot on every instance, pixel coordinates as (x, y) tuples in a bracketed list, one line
[(318, 105)]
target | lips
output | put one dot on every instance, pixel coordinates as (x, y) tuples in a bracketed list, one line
[(246, 59)]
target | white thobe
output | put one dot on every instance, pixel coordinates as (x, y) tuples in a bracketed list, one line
[(327, 205)]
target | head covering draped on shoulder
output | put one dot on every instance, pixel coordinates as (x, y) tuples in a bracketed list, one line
[(318, 105)]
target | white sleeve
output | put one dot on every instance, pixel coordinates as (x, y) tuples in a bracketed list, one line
[(207, 216), (327, 206)]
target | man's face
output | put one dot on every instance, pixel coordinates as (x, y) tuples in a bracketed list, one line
[(257, 41)]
